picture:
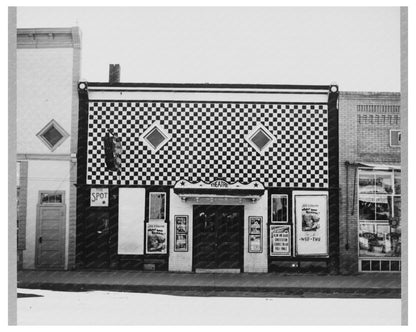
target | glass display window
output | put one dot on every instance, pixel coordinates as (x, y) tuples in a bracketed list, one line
[(379, 210)]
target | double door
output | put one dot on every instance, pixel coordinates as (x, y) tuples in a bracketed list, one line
[(218, 237)]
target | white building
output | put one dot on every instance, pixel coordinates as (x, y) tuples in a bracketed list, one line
[(48, 69)]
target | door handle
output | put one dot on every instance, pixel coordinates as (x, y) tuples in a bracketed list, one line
[(40, 239)]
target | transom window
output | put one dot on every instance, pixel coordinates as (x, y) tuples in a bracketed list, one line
[(155, 137), (50, 198), (52, 135), (260, 139)]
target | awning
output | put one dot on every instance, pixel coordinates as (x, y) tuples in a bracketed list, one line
[(375, 166)]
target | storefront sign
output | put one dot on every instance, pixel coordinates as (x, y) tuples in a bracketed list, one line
[(181, 233), (156, 238), (311, 225), (99, 197), (219, 184), (255, 234), (280, 240)]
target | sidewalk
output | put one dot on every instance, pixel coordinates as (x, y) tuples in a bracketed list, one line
[(374, 285)]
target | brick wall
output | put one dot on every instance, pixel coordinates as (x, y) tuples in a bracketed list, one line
[(362, 140)]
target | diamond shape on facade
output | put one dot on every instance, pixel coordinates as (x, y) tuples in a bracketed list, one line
[(52, 135), (155, 137), (260, 139)]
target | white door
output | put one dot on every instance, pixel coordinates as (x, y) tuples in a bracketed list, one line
[(50, 231)]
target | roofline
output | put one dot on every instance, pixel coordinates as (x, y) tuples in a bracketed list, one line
[(369, 94), (24, 31), (69, 37), (207, 86)]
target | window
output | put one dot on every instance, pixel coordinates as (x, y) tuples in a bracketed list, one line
[(395, 138), (157, 206), (155, 137), (260, 139), (279, 209), (50, 198), (52, 135), (379, 207)]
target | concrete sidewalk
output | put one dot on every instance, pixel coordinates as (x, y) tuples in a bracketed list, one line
[(374, 285)]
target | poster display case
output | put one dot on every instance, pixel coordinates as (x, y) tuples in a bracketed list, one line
[(156, 238), (311, 221), (280, 240), (255, 234), (181, 233)]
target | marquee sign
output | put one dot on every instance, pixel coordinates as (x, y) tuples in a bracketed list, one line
[(219, 187), (219, 184)]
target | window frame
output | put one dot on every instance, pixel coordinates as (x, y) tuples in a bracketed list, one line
[(51, 192), (253, 132), (375, 223), (150, 206), (161, 130), (59, 128), (399, 133), (287, 209)]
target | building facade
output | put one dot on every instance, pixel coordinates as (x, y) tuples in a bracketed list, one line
[(370, 182), (206, 177), (48, 70)]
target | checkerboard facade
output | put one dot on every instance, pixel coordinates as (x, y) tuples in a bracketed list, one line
[(208, 142)]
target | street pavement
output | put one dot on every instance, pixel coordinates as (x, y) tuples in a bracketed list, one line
[(45, 307), (374, 285)]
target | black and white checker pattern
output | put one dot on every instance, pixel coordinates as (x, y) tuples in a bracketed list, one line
[(208, 143)]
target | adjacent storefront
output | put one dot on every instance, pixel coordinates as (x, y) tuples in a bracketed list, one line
[(379, 211), (231, 178)]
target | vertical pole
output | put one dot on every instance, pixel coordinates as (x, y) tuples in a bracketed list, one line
[(333, 158)]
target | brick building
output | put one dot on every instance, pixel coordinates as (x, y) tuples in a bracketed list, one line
[(369, 169), (48, 70)]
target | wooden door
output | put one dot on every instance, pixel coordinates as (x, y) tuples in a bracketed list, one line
[(50, 233)]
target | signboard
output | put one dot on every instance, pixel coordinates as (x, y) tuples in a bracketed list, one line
[(181, 233), (156, 238), (311, 225), (255, 234), (280, 240), (99, 197), (219, 184)]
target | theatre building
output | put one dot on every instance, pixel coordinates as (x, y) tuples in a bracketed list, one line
[(208, 177)]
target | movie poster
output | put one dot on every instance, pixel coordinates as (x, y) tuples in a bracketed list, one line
[(181, 233), (254, 243), (156, 235), (311, 225), (280, 240), (255, 234)]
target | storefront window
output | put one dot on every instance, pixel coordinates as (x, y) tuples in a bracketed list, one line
[(379, 204)]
